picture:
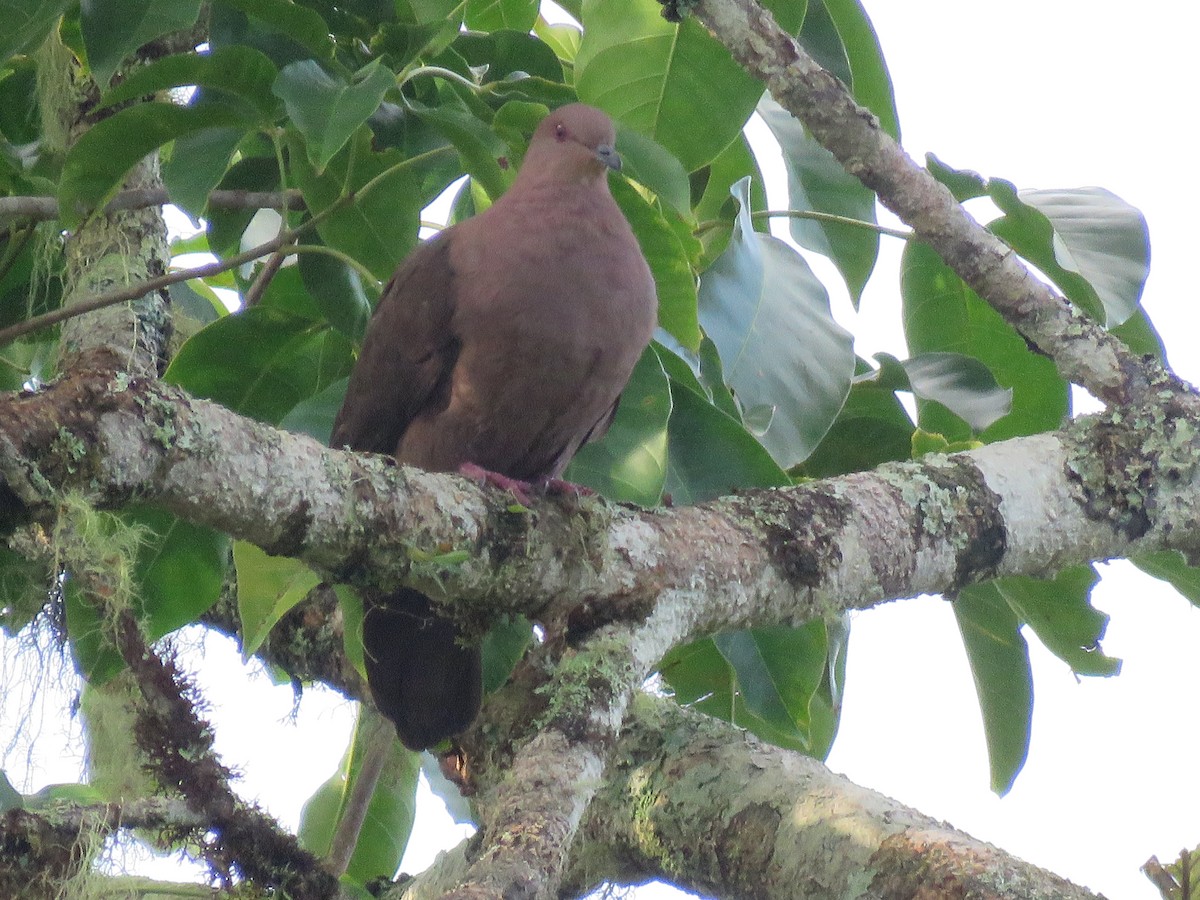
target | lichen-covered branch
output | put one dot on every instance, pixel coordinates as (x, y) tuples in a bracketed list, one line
[(784, 821), (1097, 489), (1083, 351)]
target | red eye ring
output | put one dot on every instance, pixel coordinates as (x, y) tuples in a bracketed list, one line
[(560, 132)]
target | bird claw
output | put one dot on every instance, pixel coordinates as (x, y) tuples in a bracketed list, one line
[(522, 490), (515, 486)]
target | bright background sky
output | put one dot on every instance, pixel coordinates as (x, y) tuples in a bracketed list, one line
[(1047, 94)]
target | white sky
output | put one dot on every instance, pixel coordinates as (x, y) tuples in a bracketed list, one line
[(1052, 93)]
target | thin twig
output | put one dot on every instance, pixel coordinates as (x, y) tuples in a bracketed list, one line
[(807, 214), (40, 209)]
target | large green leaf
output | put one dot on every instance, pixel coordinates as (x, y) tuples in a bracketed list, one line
[(962, 384), (869, 78), (710, 454), (818, 183), (26, 24), (493, 15), (673, 277), (197, 164), (268, 587), (871, 429), (390, 812), (261, 362), (97, 163), (338, 291), (180, 569), (1060, 612), (999, 659), (380, 227), (674, 83), (1090, 242), (786, 359), (943, 315), (502, 648), (768, 680), (284, 30), (1172, 567), (477, 145), (712, 188), (314, 415), (629, 462), (328, 110), (113, 29), (650, 164), (239, 72)]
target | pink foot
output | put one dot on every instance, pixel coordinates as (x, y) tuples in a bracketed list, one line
[(519, 489), (522, 490)]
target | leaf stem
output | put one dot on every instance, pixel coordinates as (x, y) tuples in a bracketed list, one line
[(807, 214)]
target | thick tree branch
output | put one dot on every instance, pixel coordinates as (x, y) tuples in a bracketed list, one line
[(1026, 506), (697, 802), (1083, 351)]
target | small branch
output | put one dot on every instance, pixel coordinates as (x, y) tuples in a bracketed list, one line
[(134, 291), (376, 745), (813, 215), (41, 209), (1083, 351)]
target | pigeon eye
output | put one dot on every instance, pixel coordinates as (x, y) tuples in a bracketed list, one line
[(560, 132)]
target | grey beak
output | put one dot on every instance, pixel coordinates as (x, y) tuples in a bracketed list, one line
[(608, 155)]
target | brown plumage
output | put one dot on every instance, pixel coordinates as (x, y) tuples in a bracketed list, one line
[(503, 342)]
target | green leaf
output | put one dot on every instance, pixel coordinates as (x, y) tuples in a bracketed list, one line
[(338, 291), (962, 384), (510, 56), (818, 183), (629, 462), (352, 626), (226, 226), (95, 657), (10, 797), (1061, 614), (304, 28), (198, 163), (328, 110), (314, 415), (710, 454), (782, 351), (24, 589), (390, 812), (1172, 567), (477, 145), (651, 165), (768, 680), (1092, 244), (242, 73), (674, 280), (941, 314), (674, 83), (380, 227), (999, 659), (870, 81), (714, 185), (97, 163), (268, 588), (871, 429), (113, 29), (503, 647), (26, 24), (20, 116), (180, 569), (1140, 336), (493, 15), (260, 362)]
